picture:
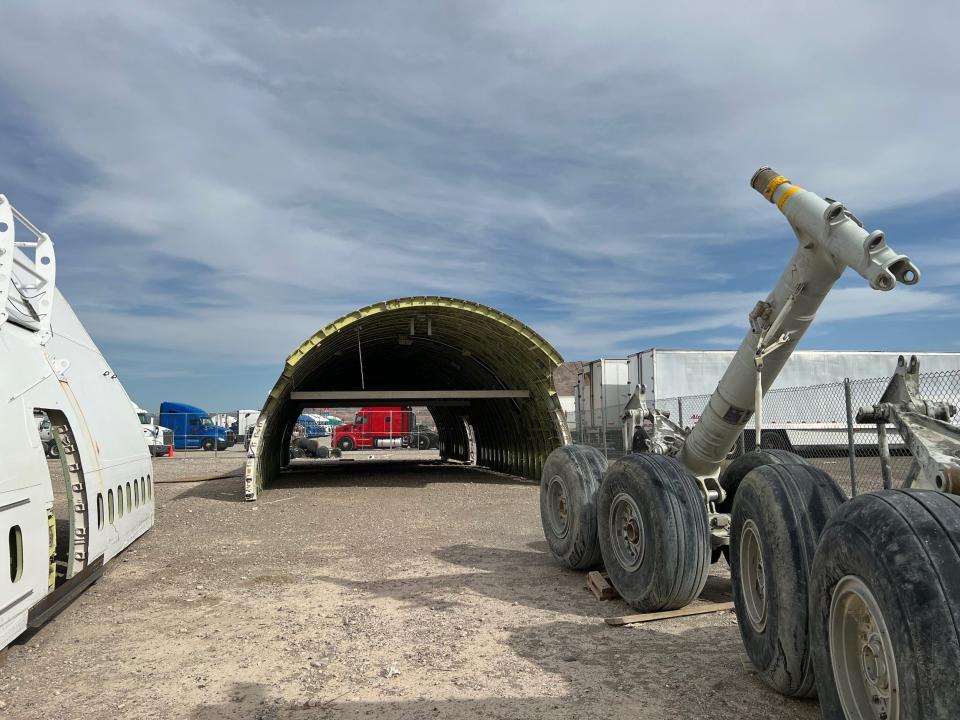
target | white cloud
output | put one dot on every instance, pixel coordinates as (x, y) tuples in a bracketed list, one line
[(587, 164)]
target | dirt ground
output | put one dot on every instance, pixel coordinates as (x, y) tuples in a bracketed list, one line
[(365, 589)]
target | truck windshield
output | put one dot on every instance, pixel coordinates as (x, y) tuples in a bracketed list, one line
[(206, 422), (360, 419), (144, 418)]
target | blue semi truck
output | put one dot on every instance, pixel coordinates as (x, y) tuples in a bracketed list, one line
[(193, 428)]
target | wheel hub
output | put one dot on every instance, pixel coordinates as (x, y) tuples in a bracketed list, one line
[(557, 499), (861, 652), (753, 581), (626, 532)]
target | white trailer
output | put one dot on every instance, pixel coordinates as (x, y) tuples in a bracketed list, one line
[(681, 373), (602, 390), (681, 381)]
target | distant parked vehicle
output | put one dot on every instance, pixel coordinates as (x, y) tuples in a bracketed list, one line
[(376, 427), (193, 428), (50, 448), (159, 439), (314, 426), (424, 437)]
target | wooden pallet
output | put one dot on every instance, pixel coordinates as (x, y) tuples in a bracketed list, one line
[(714, 598), (667, 614), (600, 586)]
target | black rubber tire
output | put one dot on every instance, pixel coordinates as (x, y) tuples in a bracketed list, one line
[(905, 546), (775, 440), (676, 540), (221, 445), (785, 508), (345, 444), (576, 471), (322, 452), (734, 473), (207, 444), (53, 450), (309, 446), (423, 442), (739, 447)]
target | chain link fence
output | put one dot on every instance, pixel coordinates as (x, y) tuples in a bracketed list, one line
[(811, 421)]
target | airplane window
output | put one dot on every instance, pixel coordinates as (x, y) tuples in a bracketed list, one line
[(16, 553)]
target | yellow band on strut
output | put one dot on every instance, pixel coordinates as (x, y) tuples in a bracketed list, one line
[(773, 185), (787, 194)]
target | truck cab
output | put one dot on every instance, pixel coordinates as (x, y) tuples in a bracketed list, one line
[(314, 426), (376, 427), (192, 427), (159, 439)]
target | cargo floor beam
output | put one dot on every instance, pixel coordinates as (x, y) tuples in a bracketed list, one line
[(421, 395)]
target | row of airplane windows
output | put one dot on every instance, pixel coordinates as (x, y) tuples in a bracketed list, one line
[(141, 490), (138, 492)]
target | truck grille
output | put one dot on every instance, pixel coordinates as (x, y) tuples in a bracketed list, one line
[(167, 437)]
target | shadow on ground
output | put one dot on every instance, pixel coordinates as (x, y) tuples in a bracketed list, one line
[(511, 576), (386, 473), (597, 670), (351, 474)]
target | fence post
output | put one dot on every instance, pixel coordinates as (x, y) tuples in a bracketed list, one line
[(885, 470), (680, 411), (851, 445)]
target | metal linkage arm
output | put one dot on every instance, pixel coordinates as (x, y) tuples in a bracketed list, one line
[(925, 428), (830, 239), (665, 436)]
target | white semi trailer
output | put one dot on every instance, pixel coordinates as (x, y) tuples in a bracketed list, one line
[(680, 381), (857, 600)]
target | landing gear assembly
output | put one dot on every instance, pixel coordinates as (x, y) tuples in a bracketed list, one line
[(855, 601)]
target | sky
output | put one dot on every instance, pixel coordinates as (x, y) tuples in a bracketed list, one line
[(223, 178)]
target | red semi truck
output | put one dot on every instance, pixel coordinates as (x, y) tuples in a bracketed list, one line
[(377, 427)]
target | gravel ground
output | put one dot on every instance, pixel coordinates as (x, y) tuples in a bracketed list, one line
[(365, 589)]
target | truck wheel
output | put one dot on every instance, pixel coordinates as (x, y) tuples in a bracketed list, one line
[(207, 444), (309, 446), (885, 607), (735, 472), (423, 442), (778, 517), (345, 444), (568, 487), (53, 450), (653, 532), (322, 452)]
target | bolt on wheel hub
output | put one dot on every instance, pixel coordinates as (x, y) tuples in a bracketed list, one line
[(626, 532), (752, 578), (861, 652), (557, 500)]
